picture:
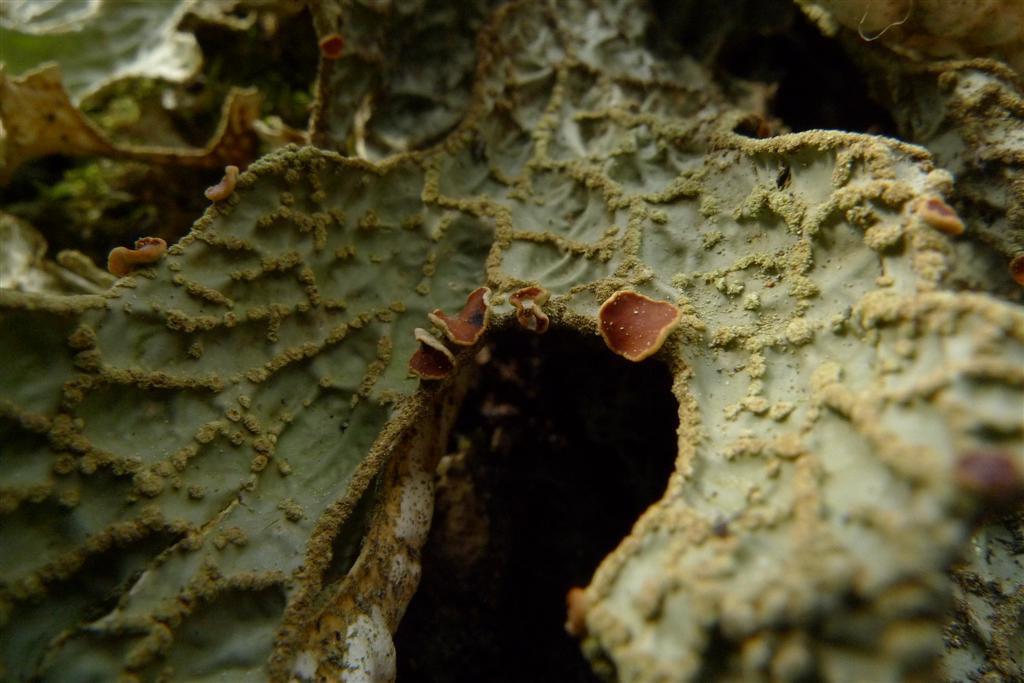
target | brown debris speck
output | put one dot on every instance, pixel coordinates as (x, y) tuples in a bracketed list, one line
[(528, 302), (1017, 268), (332, 46), (432, 360), (467, 328), (123, 260), (940, 215), (223, 189), (635, 326), (576, 611), (992, 475)]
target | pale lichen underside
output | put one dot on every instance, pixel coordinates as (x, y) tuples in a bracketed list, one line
[(66, 130), (236, 401), (99, 42)]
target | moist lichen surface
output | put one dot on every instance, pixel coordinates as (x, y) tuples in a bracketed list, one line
[(220, 465)]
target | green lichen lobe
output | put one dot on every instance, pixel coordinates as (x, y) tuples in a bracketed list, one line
[(213, 423)]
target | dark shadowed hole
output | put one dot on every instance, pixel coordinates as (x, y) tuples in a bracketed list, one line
[(348, 541), (559, 447), (281, 60), (774, 43)]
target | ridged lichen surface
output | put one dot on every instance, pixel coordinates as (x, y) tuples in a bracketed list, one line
[(221, 466)]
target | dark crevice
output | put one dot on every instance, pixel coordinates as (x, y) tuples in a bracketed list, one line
[(559, 448), (717, 654), (281, 61), (348, 540), (772, 43)]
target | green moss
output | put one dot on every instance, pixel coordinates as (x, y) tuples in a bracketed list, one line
[(94, 206), (281, 63)]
